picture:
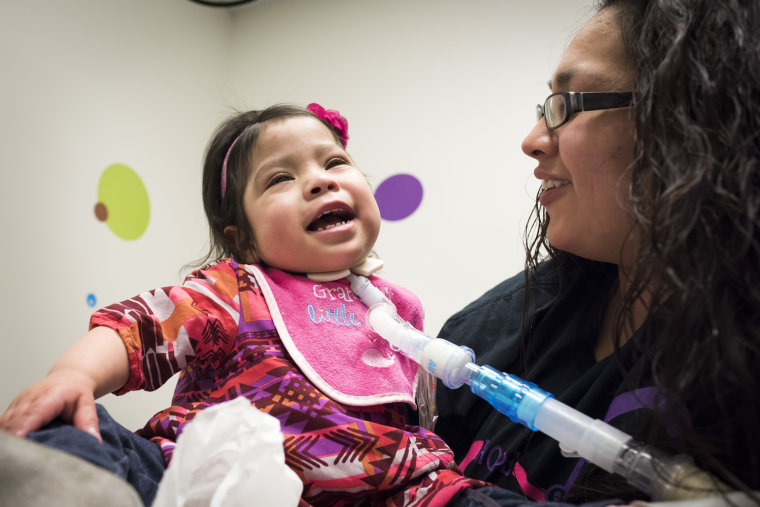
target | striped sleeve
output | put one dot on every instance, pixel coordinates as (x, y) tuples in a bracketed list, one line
[(167, 328)]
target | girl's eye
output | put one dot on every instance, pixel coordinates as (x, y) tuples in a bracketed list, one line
[(335, 161), (278, 178)]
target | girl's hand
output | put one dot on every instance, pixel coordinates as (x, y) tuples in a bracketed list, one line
[(64, 393), (95, 365)]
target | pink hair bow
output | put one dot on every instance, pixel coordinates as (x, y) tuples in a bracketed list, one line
[(334, 118)]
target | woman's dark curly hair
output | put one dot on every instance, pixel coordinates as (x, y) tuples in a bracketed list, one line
[(695, 197), (228, 210)]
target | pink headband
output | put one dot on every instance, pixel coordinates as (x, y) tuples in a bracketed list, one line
[(331, 116), (224, 165)]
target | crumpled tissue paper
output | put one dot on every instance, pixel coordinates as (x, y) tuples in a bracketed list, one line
[(230, 455)]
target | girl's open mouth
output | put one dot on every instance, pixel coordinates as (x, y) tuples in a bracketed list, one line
[(330, 219)]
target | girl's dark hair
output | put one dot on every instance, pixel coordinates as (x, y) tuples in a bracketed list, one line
[(695, 197), (244, 127)]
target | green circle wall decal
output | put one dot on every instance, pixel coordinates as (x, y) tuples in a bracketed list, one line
[(123, 202)]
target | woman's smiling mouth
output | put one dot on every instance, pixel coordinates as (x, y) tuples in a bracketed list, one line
[(550, 190), (549, 184)]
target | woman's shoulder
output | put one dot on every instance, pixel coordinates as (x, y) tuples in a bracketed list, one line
[(510, 293)]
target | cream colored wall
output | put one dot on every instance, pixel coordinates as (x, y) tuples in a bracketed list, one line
[(442, 89), (87, 83)]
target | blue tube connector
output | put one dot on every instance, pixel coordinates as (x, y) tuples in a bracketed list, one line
[(512, 396)]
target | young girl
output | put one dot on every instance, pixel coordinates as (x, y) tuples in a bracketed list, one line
[(274, 320)]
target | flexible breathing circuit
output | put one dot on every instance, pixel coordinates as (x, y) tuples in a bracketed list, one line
[(662, 477)]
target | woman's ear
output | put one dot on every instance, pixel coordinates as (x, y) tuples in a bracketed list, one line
[(247, 252)]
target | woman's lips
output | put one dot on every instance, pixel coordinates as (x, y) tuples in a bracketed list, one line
[(551, 190)]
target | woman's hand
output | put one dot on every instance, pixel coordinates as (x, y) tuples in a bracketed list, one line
[(65, 393)]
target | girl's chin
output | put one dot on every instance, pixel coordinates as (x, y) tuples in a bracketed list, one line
[(329, 260), (329, 268)]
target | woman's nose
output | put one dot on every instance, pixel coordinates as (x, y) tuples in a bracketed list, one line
[(539, 141)]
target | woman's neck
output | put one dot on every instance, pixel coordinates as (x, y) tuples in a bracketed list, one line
[(612, 325)]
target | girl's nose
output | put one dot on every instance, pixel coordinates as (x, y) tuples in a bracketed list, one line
[(322, 181), (539, 142)]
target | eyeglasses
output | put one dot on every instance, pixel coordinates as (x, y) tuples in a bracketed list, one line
[(561, 106)]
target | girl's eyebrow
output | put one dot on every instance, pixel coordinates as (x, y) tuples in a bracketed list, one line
[(264, 170), (272, 163)]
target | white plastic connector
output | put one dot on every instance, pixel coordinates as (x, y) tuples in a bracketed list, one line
[(384, 320), (366, 292), (579, 434), (447, 362)]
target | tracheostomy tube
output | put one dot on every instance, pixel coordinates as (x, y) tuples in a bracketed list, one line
[(661, 476), (441, 358)]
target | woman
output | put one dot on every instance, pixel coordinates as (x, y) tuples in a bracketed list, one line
[(640, 302)]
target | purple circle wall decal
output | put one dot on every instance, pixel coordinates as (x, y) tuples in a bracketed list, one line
[(398, 196)]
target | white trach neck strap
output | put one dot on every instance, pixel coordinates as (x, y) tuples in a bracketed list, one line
[(366, 268)]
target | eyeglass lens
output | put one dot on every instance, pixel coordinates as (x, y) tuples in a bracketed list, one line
[(555, 110)]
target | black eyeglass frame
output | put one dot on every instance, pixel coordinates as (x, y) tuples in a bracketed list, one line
[(575, 102)]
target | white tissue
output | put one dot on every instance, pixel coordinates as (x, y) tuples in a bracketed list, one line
[(230, 455)]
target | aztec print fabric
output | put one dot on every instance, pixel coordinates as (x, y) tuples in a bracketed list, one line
[(217, 332)]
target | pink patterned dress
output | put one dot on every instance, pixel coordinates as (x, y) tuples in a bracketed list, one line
[(216, 330)]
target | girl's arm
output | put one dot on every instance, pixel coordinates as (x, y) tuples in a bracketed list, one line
[(95, 365)]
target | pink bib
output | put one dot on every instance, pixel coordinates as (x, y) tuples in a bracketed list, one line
[(324, 329)]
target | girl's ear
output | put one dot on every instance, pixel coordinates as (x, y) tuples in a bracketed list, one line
[(248, 252), (232, 235)]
